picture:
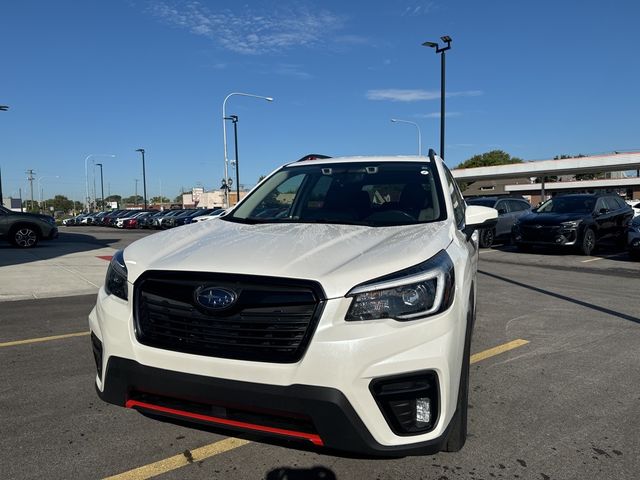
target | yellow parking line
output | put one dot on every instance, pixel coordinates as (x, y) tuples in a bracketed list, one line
[(177, 461), (505, 347), (42, 339), (181, 460)]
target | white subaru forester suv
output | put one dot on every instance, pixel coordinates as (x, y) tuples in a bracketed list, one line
[(334, 305)]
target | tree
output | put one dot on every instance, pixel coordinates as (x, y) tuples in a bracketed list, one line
[(178, 199), (133, 200), (489, 159), (162, 199)]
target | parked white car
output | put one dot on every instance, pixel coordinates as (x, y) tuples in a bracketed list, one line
[(215, 214), (334, 305)]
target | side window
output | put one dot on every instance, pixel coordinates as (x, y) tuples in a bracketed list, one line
[(517, 205), (621, 203), (459, 206), (278, 203), (503, 207), (600, 205)]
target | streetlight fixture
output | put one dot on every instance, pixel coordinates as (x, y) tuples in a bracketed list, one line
[(86, 174), (397, 120), (234, 119), (446, 39), (101, 185), (144, 178), (224, 137), (4, 108)]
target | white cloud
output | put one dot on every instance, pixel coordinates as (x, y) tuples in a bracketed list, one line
[(415, 10), (252, 33), (407, 95)]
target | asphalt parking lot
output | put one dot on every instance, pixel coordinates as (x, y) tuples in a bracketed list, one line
[(557, 399)]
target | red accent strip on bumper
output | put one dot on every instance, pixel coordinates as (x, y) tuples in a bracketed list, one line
[(313, 438)]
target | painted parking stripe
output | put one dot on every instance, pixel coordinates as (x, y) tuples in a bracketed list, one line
[(492, 352), (43, 339), (199, 454)]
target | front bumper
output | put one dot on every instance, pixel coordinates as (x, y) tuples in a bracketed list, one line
[(53, 233), (634, 242), (329, 386), (545, 235), (323, 415)]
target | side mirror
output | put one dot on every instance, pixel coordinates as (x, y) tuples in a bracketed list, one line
[(603, 211), (477, 217), (502, 211)]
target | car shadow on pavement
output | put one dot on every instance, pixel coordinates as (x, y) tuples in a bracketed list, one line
[(65, 244), (314, 473), (582, 303)]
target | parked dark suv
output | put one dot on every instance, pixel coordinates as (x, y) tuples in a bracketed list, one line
[(579, 221), (510, 209), (24, 230)]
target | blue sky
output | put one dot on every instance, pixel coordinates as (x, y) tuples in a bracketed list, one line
[(536, 79)]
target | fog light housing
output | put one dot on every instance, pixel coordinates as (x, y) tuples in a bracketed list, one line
[(409, 403)]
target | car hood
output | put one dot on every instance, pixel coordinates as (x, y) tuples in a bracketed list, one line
[(46, 218), (550, 218), (337, 256)]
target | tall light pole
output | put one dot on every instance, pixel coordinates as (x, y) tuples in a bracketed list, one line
[(135, 194), (441, 51), (144, 178), (397, 120), (224, 137), (101, 185), (234, 119), (3, 108), (86, 173)]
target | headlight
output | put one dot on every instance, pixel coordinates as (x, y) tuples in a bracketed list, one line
[(572, 224), (417, 292), (116, 281)]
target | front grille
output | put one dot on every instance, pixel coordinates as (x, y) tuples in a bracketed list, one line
[(272, 320), (539, 233)]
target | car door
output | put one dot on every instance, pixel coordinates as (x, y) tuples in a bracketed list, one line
[(518, 209), (603, 218), (505, 221)]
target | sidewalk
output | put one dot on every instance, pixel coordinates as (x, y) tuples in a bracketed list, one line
[(51, 270)]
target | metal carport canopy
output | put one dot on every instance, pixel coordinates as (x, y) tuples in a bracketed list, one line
[(616, 162)]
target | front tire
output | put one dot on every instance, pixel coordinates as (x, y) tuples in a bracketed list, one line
[(588, 244), (487, 237), (24, 236)]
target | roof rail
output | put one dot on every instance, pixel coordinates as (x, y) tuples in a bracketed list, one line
[(313, 156), (432, 155)]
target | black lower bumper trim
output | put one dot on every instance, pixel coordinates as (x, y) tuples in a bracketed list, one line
[(331, 414)]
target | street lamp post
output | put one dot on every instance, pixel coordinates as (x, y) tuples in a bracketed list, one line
[(3, 108), (397, 120), (224, 137), (234, 119), (144, 178), (101, 185), (441, 51), (86, 174)]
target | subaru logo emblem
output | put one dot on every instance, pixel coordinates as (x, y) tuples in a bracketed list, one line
[(215, 298)]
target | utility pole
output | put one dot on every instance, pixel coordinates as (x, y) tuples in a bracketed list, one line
[(31, 178), (136, 195), (20, 194), (1, 197)]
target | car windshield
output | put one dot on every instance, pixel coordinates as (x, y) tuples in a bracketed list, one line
[(372, 194), (579, 204), (483, 202)]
